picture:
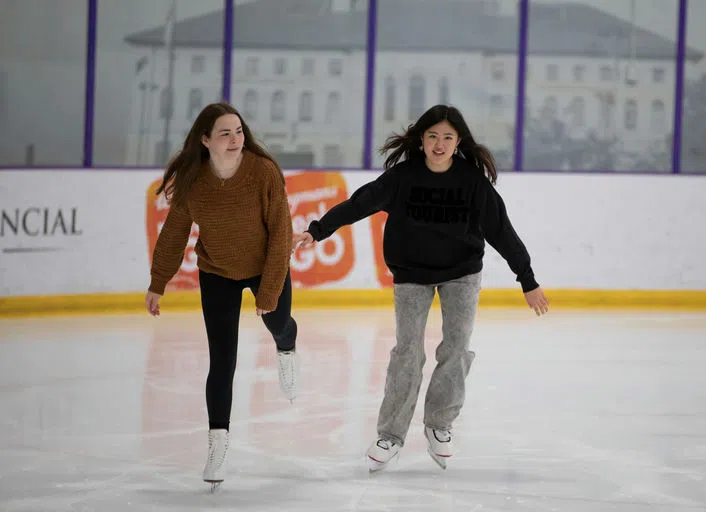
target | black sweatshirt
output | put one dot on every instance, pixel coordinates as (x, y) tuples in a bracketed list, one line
[(437, 222)]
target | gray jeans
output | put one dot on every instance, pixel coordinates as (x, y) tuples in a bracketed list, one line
[(447, 389)]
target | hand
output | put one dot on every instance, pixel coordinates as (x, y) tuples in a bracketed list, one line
[(261, 312), (152, 303), (305, 239), (537, 301)]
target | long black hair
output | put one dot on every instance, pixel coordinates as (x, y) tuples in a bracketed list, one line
[(407, 144)]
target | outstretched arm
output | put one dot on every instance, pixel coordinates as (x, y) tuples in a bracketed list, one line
[(501, 235), (367, 200), (169, 249), (279, 229)]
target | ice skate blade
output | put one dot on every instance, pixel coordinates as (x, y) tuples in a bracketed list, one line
[(375, 466), (215, 484), (441, 461)]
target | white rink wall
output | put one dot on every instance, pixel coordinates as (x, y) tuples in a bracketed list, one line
[(88, 231)]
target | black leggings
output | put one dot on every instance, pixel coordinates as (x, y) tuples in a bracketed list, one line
[(221, 300)]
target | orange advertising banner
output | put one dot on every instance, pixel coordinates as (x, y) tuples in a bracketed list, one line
[(311, 195), (187, 278), (377, 229)]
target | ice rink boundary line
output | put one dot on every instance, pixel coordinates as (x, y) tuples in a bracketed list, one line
[(121, 303)]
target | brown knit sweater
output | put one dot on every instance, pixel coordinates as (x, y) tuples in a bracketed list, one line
[(245, 229)]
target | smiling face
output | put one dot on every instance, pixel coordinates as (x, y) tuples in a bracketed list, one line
[(439, 143), (225, 145)]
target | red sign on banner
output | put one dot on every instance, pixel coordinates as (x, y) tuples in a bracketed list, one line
[(311, 195), (187, 278), (377, 227)]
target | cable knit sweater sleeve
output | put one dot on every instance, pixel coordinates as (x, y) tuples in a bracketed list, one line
[(169, 249), (278, 222)]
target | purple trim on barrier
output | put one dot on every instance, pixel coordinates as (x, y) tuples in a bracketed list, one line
[(521, 74), (679, 88), (89, 105), (228, 48), (370, 85)]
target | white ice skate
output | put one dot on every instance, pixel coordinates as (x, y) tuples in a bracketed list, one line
[(380, 453), (217, 448), (288, 373), (439, 445)]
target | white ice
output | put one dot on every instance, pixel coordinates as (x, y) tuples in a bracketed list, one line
[(575, 411)]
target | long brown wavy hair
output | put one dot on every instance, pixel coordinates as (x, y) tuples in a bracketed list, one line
[(185, 165), (407, 144)]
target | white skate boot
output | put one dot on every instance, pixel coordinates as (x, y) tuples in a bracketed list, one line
[(380, 453), (439, 445), (217, 448), (288, 373)]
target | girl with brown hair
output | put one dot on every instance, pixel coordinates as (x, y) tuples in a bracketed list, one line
[(235, 192)]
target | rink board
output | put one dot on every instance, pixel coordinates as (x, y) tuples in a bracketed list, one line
[(78, 238)]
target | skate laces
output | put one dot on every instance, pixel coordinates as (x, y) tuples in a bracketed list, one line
[(286, 368), (385, 444), (217, 448), (443, 436)]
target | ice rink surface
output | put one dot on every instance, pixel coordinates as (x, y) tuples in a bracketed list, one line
[(576, 411)]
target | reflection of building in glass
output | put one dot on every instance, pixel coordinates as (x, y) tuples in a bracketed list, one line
[(299, 71)]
